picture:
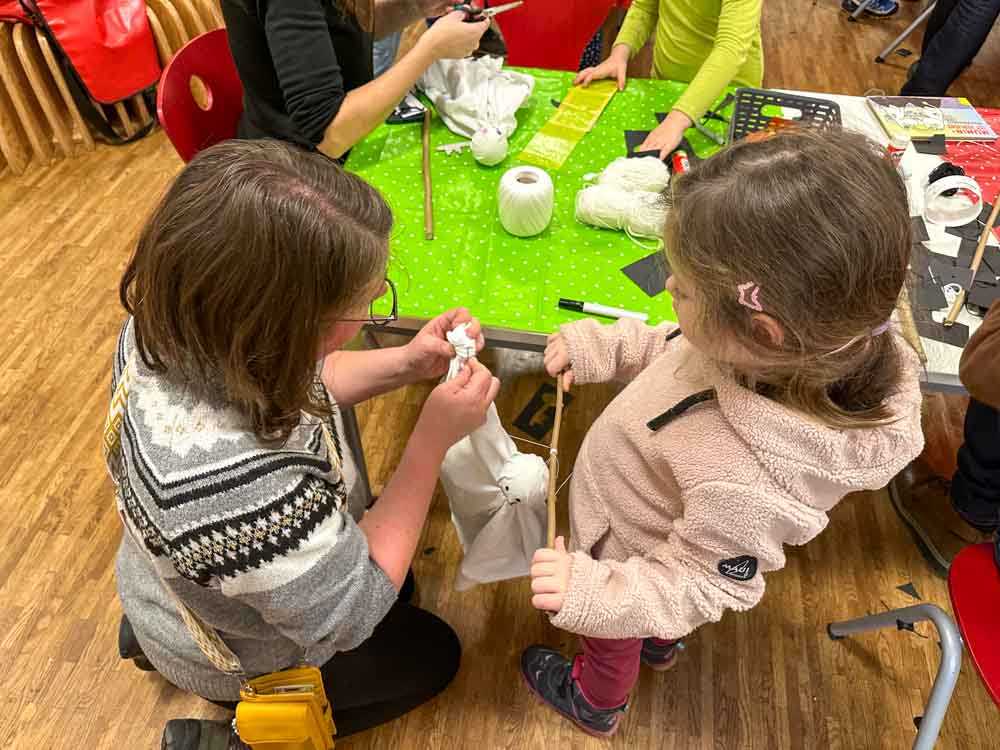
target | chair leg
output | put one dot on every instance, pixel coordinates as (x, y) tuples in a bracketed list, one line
[(352, 436), (951, 658), (906, 32), (859, 10)]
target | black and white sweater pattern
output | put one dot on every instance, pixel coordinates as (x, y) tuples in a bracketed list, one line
[(256, 540)]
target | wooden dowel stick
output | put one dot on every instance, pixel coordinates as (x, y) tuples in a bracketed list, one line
[(554, 462), (956, 306), (428, 198)]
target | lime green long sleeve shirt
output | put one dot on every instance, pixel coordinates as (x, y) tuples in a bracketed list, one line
[(709, 43)]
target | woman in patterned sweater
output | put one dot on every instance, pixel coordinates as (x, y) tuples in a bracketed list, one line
[(260, 263)]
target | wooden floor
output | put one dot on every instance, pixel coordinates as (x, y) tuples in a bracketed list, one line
[(766, 679)]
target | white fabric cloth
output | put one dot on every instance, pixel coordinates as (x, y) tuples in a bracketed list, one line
[(471, 94), (497, 494)]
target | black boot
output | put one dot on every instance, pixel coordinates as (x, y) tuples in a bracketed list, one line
[(129, 648), (199, 734), (549, 676)]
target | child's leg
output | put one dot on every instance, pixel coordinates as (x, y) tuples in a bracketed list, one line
[(607, 670), (659, 654)]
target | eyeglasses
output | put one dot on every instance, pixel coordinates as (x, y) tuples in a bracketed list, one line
[(374, 318)]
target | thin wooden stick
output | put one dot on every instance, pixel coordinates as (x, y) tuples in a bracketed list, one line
[(956, 306), (554, 461), (428, 196)]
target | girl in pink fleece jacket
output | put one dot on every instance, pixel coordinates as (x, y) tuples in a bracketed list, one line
[(786, 390)]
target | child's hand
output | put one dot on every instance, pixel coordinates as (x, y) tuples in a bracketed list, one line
[(557, 359), (550, 577)]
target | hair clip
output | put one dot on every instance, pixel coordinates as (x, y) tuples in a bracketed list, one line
[(750, 295), (880, 329)]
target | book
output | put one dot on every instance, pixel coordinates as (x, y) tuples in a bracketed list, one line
[(921, 117)]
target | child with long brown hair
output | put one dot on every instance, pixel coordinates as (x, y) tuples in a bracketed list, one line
[(782, 389)]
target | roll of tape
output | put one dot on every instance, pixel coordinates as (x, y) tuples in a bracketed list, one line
[(525, 199), (957, 209)]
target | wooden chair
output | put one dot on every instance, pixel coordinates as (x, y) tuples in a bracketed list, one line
[(40, 122)]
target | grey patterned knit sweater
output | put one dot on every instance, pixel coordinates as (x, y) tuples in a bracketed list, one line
[(259, 542)]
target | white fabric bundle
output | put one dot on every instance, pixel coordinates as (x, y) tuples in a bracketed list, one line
[(638, 173), (640, 213), (497, 494), (473, 94)]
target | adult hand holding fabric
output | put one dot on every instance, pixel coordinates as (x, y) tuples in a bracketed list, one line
[(457, 407), (452, 38), (428, 354), (614, 67)]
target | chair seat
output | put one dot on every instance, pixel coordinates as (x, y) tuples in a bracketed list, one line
[(974, 584)]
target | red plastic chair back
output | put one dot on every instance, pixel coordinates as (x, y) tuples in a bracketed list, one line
[(200, 99), (974, 584), (551, 35)]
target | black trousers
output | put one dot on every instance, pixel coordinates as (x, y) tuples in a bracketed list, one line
[(975, 488), (412, 656), (955, 32)]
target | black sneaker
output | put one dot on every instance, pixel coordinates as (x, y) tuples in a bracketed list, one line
[(129, 648), (549, 675), (659, 657), (199, 734)]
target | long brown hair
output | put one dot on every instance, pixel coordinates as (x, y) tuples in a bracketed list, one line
[(821, 223), (255, 247)]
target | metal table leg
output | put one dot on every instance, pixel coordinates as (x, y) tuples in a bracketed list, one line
[(859, 10), (951, 658), (906, 32), (352, 436)]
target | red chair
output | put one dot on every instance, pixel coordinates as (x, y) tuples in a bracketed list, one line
[(200, 98), (974, 586), (551, 35)]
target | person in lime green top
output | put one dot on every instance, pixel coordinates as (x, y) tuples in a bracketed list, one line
[(709, 43)]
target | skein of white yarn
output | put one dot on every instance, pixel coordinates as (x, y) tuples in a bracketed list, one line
[(489, 146), (638, 173), (641, 213), (525, 199)]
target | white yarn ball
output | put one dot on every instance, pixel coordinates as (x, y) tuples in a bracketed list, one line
[(524, 201), (639, 212), (489, 146), (638, 173)]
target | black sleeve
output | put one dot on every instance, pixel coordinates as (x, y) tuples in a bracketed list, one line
[(306, 64)]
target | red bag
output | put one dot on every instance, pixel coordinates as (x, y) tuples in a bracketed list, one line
[(10, 10), (106, 51)]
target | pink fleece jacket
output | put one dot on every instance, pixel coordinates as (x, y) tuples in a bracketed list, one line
[(673, 526)]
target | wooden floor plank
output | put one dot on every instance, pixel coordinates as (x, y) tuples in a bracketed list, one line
[(769, 678)]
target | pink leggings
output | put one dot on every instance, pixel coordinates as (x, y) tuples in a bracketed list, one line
[(607, 669)]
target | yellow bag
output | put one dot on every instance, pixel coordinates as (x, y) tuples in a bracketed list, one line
[(286, 710)]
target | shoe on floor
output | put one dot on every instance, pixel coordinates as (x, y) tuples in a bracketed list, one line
[(877, 9), (923, 501), (549, 675), (660, 657), (199, 734), (129, 648)]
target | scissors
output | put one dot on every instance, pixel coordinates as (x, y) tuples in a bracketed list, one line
[(474, 15)]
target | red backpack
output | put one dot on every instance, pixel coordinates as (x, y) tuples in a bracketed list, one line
[(106, 51)]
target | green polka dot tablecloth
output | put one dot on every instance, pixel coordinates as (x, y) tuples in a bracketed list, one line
[(507, 281)]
